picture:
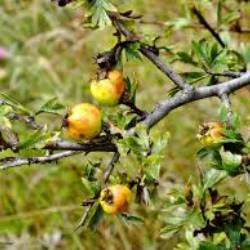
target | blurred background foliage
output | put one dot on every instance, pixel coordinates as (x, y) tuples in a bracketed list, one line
[(51, 54)]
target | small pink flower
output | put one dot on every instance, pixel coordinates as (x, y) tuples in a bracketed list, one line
[(4, 54)]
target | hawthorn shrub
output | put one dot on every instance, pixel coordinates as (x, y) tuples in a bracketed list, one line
[(198, 214)]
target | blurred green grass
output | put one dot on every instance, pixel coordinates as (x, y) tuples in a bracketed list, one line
[(52, 55)]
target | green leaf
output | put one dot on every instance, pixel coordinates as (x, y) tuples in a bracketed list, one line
[(194, 77), (90, 170), (245, 245), (132, 51), (129, 143), (231, 135), (5, 110), (201, 51), (52, 106), (138, 144), (215, 51), (233, 231), (210, 246), (152, 165), (212, 178), (169, 231), (99, 12), (236, 61), (91, 187), (216, 60), (95, 218), (15, 104), (143, 136), (131, 89), (185, 58), (160, 144), (230, 162), (203, 153), (132, 218), (38, 140), (179, 218)]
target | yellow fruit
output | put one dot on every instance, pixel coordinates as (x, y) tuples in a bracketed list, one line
[(115, 199), (211, 134), (109, 90), (84, 121)]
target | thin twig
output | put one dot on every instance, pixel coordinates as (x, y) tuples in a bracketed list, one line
[(18, 161), (107, 173), (84, 217), (153, 57), (72, 149), (204, 22), (166, 69), (110, 167), (84, 147), (93, 146)]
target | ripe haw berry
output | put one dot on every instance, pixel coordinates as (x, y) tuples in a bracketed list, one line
[(115, 199), (83, 121), (108, 91), (211, 134)]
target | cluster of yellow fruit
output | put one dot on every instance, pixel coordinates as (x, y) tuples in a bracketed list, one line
[(84, 121)]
